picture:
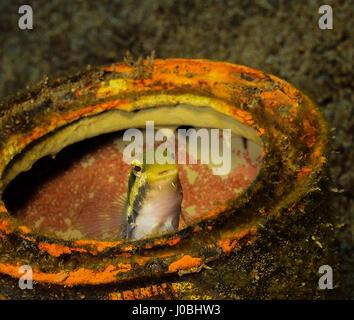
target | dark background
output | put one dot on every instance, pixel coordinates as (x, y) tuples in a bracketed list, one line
[(277, 36)]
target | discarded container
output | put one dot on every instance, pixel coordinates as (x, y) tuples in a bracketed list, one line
[(255, 105)]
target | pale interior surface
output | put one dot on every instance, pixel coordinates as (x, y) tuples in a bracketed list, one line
[(116, 120)]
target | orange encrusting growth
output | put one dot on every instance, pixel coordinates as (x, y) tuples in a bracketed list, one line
[(53, 249), (172, 290), (98, 245), (24, 229), (6, 226), (231, 242), (186, 262), (80, 276)]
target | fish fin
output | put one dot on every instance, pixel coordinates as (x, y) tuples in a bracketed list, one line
[(103, 219)]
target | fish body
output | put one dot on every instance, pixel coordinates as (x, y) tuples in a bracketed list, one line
[(151, 206), (154, 199)]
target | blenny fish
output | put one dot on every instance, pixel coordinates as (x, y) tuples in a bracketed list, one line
[(151, 206)]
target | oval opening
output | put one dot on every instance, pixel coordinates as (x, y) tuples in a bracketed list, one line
[(80, 192)]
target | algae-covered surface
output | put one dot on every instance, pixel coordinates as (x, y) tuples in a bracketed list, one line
[(279, 37)]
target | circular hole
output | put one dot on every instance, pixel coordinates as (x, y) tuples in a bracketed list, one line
[(81, 192)]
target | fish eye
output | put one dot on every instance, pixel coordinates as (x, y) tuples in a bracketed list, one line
[(136, 167)]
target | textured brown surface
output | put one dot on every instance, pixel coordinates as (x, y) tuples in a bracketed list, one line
[(280, 37)]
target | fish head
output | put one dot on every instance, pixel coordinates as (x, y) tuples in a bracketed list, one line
[(154, 170)]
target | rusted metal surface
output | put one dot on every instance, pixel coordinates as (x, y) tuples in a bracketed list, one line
[(290, 126)]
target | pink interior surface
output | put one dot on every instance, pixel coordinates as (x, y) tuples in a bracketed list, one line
[(99, 172)]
